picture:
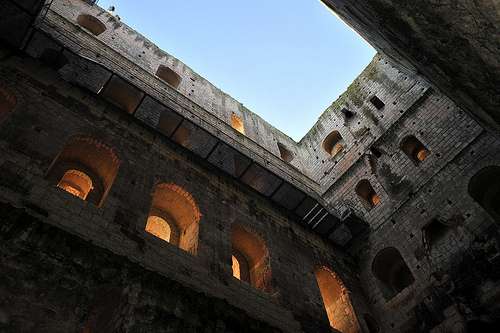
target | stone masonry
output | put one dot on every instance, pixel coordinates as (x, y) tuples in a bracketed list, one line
[(135, 196)]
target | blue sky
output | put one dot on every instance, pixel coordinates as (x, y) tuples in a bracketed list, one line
[(285, 60)]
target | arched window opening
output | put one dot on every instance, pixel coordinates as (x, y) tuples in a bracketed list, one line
[(366, 192), (414, 149), (484, 188), (91, 23), (252, 256), (286, 155), (77, 183), (336, 301), (168, 75), (434, 232), (174, 209), (85, 168), (333, 143), (377, 103), (237, 123), (371, 324), (7, 103), (159, 227), (392, 272), (240, 266)]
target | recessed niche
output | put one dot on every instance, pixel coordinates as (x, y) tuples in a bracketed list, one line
[(91, 23), (332, 144), (414, 149), (286, 155), (377, 103), (168, 75)]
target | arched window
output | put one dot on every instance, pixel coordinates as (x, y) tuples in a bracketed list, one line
[(392, 272), (91, 23), (336, 300), (174, 217), (251, 257), (85, 168), (77, 183), (484, 188), (237, 123), (286, 155), (159, 227), (414, 149), (367, 194), (333, 143), (168, 75), (7, 103)]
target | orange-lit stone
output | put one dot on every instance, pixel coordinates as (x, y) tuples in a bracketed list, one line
[(336, 301), (375, 199), (236, 268), (422, 154), (237, 123), (76, 183), (158, 227)]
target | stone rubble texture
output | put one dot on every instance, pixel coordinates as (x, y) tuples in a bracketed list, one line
[(70, 265)]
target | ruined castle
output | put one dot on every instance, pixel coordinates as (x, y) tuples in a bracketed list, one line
[(135, 196)]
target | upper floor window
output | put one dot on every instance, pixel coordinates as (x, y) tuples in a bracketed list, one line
[(91, 23), (237, 123), (169, 76), (366, 192), (333, 143), (414, 149), (377, 103), (286, 155)]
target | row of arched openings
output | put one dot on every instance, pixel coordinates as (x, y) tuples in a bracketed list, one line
[(86, 168), (333, 144)]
